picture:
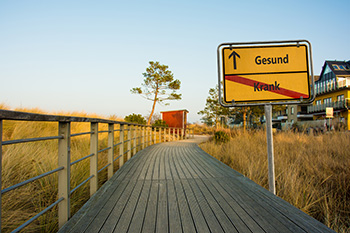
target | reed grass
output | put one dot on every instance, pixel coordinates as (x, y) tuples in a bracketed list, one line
[(23, 161), (312, 172)]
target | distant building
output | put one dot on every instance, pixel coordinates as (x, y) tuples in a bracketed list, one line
[(176, 118), (332, 90)]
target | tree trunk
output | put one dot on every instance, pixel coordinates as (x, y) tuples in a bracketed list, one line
[(153, 107)]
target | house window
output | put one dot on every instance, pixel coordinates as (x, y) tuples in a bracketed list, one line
[(292, 110), (340, 98), (327, 101), (335, 67)]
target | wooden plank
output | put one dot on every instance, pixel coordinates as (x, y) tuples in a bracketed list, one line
[(140, 209), (196, 167), (208, 214), (236, 206), (148, 159), (162, 224), (177, 187), (110, 191), (150, 171), (180, 154), (118, 209), (167, 169), (224, 205), (162, 166), (102, 211), (174, 173), (283, 209), (129, 210), (155, 175), (149, 223), (185, 214), (266, 220), (197, 215), (222, 218), (175, 224)]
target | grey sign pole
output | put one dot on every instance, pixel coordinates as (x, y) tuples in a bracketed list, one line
[(270, 157)]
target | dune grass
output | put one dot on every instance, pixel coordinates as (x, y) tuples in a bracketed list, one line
[(312, 172), (26, 160)]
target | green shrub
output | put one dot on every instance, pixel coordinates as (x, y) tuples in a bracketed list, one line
[(135, 118), (221, 137)]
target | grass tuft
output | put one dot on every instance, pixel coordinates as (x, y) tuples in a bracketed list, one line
[(312, 172)]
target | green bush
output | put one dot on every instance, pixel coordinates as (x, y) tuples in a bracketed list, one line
[(160, 123), (135, 118), (221, 137)]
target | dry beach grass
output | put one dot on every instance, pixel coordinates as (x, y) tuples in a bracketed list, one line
[(312, 172), (26, 160)]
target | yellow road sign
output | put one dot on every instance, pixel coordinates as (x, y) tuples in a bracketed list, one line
[(261, 73)]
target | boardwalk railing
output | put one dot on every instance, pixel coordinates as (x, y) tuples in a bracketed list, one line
[(132, 138)]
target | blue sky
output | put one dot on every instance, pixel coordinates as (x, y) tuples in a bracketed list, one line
[(87, 55)]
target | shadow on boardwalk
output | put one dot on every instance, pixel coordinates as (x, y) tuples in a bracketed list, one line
[(177, 187)]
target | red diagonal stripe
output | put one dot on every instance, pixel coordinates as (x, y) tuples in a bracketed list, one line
[(250, 82)]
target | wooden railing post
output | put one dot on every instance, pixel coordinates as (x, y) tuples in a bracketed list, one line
[(64, 175), (169, 134), (94, 158), (150, 135), (174, 136), (129, 142), (135, 140), (111, 150), (143, 137), (154, 135), (0, 171), (121, 146), (139, 135)]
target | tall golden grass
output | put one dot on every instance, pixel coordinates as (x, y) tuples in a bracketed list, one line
[(312, 172), (26, 160)]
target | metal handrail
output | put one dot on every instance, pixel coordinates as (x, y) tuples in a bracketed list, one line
[(4, 143), (139, 137), (38, 215), (81, 159), (81, 184), (79, 134), (30, 180)]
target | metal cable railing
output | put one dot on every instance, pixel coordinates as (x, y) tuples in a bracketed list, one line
[(132, 137)]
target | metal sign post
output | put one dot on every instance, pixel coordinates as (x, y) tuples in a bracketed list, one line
[(270, 155), (266, 73)]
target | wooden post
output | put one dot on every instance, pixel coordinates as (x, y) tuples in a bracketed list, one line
[(150, 135), (0, 171), (129, 143), (64, 175), (174, 137), (160, 134), (140, 137), (270, 155), (121, 146), (94, 158), (111, 150), (135, 140), (154, 135), (143, 137), (169, 135)]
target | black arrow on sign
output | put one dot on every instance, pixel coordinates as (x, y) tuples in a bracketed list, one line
[(234, 54)]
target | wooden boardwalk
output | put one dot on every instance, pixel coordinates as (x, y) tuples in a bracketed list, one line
[(177, 187)]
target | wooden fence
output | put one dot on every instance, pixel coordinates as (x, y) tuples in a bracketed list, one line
[(132, 138)]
